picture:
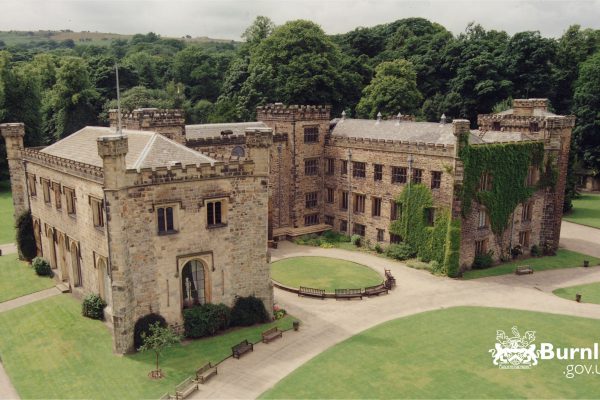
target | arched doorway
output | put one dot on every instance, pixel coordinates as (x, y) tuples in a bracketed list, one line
[(37, 234), (51, 247), (103, 288), (75, 264), (193, 284), (62, 257)]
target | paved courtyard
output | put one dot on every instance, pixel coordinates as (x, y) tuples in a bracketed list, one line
[(328, 322)]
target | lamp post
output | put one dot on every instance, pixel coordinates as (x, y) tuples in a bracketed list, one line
[(279, 148), (349, 190), (409, 183)]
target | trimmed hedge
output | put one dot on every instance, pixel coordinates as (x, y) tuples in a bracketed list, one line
[(25, 238), (42, 267), (93, 306), (206, 320), (400, 251), (142, 326), (248, 311)]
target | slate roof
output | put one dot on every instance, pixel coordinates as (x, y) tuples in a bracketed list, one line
[(146, 149), (427, 132), (212, 130)]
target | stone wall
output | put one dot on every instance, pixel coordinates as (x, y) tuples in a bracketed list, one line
[(13, 134)]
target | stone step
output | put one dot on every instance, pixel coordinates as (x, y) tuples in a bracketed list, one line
[(63, 287)]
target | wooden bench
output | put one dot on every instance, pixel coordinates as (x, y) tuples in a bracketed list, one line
[(271, 334), (205, 372), (185, 388), (376, 290), (311, 292), (241, 348), (390, 281), (524, 270), (348, 293)]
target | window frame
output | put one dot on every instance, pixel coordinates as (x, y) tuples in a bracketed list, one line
[(311, 219), (359, 169), (376, 206), (377, 172), (329, 166), (359, 229), (344, 200), (311, 167), (311, 199), (311, 134), (436, 179), (46, 190), (31, 185), (330, 195), (98, 217), (211, 203), (359, 203), (399, 175), (417, 175), (70, 200), (174, 207)]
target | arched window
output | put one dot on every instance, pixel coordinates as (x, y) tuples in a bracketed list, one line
[(192, 284), (76, 265), (238, 151)]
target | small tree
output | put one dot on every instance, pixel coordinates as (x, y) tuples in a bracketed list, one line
[(25, 237), (159, 339)]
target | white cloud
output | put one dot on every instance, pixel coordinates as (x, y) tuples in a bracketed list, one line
[(228, 18)]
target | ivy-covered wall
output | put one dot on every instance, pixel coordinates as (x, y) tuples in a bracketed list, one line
[(440, 242), (508, 165)]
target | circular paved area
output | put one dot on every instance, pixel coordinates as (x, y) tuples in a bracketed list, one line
[(326, 323)]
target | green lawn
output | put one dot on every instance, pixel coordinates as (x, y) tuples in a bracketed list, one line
[(586, 211), (444, 354), (323, 273), (50, 351), (7, 223), (590, 293), (17, 279), (562, 259)]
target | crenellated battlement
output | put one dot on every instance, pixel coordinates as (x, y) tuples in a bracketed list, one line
[(278, 111), (170, 123), (227, 168), (511, 123), (87, 171), (400, 146)]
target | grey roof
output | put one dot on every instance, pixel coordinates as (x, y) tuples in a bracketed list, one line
[(500, 136), (212, 130), (146, 149), (537, 112), (427, 132)]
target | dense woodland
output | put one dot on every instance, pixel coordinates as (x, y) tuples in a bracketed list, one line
[(411, 66)]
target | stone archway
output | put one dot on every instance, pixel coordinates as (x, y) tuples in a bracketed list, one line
[(103, 282), (195, 284), (62, 256), (37, 234), (51, 247), (75, 264)]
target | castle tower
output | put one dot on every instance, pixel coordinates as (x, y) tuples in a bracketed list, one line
[(306, 128), (113, 149), (13, 134), (170, 123)]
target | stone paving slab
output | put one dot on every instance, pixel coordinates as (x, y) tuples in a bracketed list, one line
[(7, 390), (8, 248), (30, 298)]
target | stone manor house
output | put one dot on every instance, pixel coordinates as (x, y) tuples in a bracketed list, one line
[(162, 216)]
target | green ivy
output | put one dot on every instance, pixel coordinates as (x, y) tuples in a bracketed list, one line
[(508, 165), (452, 251), (430, 242)]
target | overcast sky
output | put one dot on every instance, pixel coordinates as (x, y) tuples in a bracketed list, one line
[(227, 19)]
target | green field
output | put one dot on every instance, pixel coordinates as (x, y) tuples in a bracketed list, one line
[(443, 354), (50, 351), (17, 278), (562, 259), (7, 224), (590, 293), (586, 211), (323, 273)]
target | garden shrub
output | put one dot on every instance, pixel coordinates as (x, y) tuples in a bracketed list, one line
[(334, 237), (378, 248), (483, 261), (400, 251), (327, 245), (25, 237), (93, 306), (516, 251), (278, 312), (451, 262), (356, 240), (206, 320), (248, 311), (142, 326), (535, 251), (41, 267)]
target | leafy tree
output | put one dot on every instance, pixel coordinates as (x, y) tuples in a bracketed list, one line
[(201, 112), (260, 29), (73, 101), (529, 61), (392, 90), (296, 64), (201, 72), (159, 339), (25, 237), (145, 67), (586, 107), (142, 97)]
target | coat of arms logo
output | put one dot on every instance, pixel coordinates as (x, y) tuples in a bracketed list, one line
[(516, 351)]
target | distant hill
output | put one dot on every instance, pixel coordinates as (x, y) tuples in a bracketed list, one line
[(99, 38)]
